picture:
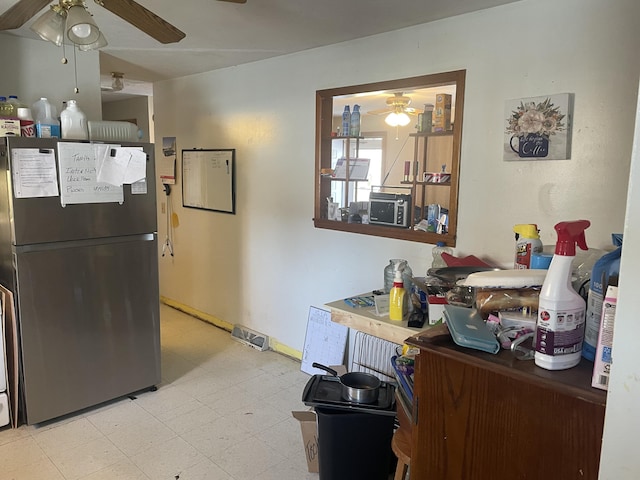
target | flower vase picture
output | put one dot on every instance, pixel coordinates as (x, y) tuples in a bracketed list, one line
[(538, 128)]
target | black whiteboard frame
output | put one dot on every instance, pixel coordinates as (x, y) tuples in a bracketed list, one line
[(232, 168)]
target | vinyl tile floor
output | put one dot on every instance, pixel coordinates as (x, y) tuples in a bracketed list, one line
[(221, 412)]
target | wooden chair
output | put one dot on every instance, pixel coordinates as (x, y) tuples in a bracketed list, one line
[(401, 442), (401, 446)]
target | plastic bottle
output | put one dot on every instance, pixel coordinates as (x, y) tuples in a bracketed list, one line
[(13, 100), (605, 267), (14, 105), (5, 108), (346, 121), (397, 303), (390, 271), (527, 242), (561, 311), (73, 122), (354, 122), (425, 119), (437, 251), (47, 125)]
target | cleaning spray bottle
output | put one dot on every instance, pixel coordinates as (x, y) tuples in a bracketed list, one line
[(561, 311), (397, 303), (527, 242)]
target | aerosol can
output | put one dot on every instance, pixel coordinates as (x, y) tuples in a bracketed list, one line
[(527, 242), (561, 311)]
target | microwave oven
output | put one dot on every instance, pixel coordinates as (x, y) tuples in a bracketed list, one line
[(390, 209)]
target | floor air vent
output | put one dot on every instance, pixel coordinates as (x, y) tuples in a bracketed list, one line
[(249, 337)]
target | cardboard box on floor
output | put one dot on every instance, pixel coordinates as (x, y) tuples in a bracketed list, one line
[(309, 429)]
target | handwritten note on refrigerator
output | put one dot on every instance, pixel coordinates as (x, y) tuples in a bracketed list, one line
[(34, 173), (324, 342), (78, 176)]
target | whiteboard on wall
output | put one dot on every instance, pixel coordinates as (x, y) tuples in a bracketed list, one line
[(208, 179)]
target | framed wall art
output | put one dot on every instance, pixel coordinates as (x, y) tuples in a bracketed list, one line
[(538, 128)]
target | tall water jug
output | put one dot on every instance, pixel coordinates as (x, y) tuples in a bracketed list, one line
[(73, 122), (47, 125)]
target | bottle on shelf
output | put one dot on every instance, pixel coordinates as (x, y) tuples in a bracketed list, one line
[(425, 119), (354, 130), (5, 108), (13, 100), (73, 122), (397, 298), (437, 251), (47, 125), (346, 121), (15, 104), (21, 112)]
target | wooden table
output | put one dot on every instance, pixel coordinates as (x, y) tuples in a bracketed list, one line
[(364, 319)]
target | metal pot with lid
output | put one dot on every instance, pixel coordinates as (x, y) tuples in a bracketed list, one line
[(357, 387)]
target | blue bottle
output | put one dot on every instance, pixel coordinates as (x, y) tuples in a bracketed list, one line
[(354, 131), (346, 121)]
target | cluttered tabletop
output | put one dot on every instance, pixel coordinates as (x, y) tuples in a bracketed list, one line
[(533, 318), (363, 317), (370, 312)]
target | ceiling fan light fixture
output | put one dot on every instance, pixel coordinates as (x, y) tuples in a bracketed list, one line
[(51, 25), (81, 28), (117, 83), (101, 42), (397, 119)]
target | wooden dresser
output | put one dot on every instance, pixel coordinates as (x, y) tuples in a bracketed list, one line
[(480, 416)]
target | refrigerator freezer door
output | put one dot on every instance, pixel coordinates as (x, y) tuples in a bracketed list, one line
[(44, 219), (89, 322)]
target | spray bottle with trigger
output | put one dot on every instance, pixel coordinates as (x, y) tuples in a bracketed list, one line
[(561, 311)]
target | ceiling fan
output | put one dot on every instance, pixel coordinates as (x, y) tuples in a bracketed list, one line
[(399, 103), (129, 10)]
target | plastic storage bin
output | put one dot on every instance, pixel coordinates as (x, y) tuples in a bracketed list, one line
[(108, 131), (354, 445)]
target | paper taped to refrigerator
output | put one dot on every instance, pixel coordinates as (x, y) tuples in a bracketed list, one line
[(34, 173), (119, 165), (78, 176)]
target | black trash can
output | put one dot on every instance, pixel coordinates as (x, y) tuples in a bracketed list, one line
[(354, 445)]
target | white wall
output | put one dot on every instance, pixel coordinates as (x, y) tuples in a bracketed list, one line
[(135, 108), (32, 69), (267, 264)]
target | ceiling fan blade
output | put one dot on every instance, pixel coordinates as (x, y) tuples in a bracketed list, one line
[(143, 19), (234, 1), (20, 13), (380, 111)]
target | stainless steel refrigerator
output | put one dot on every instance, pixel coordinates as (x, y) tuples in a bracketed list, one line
[(85, 282)]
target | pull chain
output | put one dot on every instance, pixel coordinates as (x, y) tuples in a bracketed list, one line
[(75, 70), (64, 54)]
